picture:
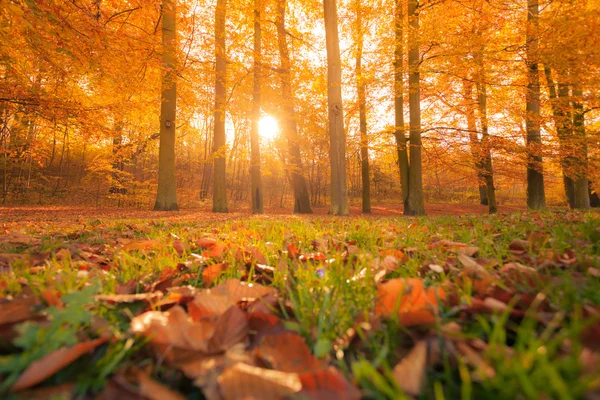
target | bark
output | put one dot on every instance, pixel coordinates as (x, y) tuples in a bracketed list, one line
[(337, 136), (290, 128), (536, 198), (486, 152), (255, 175), (474, 142), (399, 131), (362, 112), (166, 198), (581, 192), (416, 204), (219, 145), (562, 121)]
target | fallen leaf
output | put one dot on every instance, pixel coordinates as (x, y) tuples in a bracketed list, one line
[(327, 384), (212, 272), (243, 381), (129, 298), (408, 298), (409, 373), (153, 390), (18, 310), (48, 365), (287, 352)]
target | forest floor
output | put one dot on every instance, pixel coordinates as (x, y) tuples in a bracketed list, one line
[(121, 303)]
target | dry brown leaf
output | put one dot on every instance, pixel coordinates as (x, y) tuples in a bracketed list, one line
[(327, 384), (18, 310), (129, 298), (154, 390), (410, 372), (53, 362), (231, 328), (471, 357), (243, 381), (287, 352)]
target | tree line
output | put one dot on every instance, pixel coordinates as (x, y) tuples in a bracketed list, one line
[(485, 88)]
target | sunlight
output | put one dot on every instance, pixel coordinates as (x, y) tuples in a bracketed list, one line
[(268, 128)]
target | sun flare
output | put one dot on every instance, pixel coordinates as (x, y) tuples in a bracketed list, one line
[(268, 128)]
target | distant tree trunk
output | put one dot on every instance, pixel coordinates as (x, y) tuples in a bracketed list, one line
[(486, 151), (255, 176), (416, 205), (581, 192), (219, 145), (337, 136), (399, 132), (166, 198), (536, 198), (562, 121), (474, 142), (362, 112), (290, 128)]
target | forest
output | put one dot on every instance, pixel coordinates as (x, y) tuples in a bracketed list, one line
[(278, 104), (300, 199)]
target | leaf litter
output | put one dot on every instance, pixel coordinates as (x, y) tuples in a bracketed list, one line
[(207, 322)]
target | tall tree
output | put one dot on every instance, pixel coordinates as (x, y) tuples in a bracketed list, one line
[(581, 193), (399, 132), (166, 197), (219, 145), (559, 101), (256, 185), (362, 112), (536, 198), (337, 136), (290, 126), (416, 205)]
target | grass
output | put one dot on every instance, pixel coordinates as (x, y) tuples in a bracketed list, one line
[(531, 360)]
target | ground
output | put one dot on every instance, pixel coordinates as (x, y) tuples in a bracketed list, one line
[(120, 303)]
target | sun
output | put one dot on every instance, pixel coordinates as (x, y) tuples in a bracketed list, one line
[(268, 128)]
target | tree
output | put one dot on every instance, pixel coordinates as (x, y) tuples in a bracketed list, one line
[(416, 205), (536, 198), (362, 112), (256, 186), (581, 194), (337, 136), (399, 131), (290, 126), (219, 145), (166, 197)]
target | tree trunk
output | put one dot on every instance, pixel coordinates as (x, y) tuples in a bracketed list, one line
[(486, 152), (255, 176), (166, 198), (399, 132), (290, 128), (581, 192), (416, 205), (337, 136), (474, 142), (362, 113), (562, 121), (219, 145), (536, 198)]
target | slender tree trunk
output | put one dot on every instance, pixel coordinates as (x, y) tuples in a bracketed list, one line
[(536, 198), (256, 185), (166, 198), (399, 131), (486, 152), (362, 114), (474, 142), (219, 145), (337, 136), (562, 121), (290, 128), (416, 204), (581, 192)]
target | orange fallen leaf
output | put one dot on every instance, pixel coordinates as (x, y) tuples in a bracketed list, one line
[(409, 300), (287, 352), (48, 365), (206, 243), (327, 384), (212, 272)]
